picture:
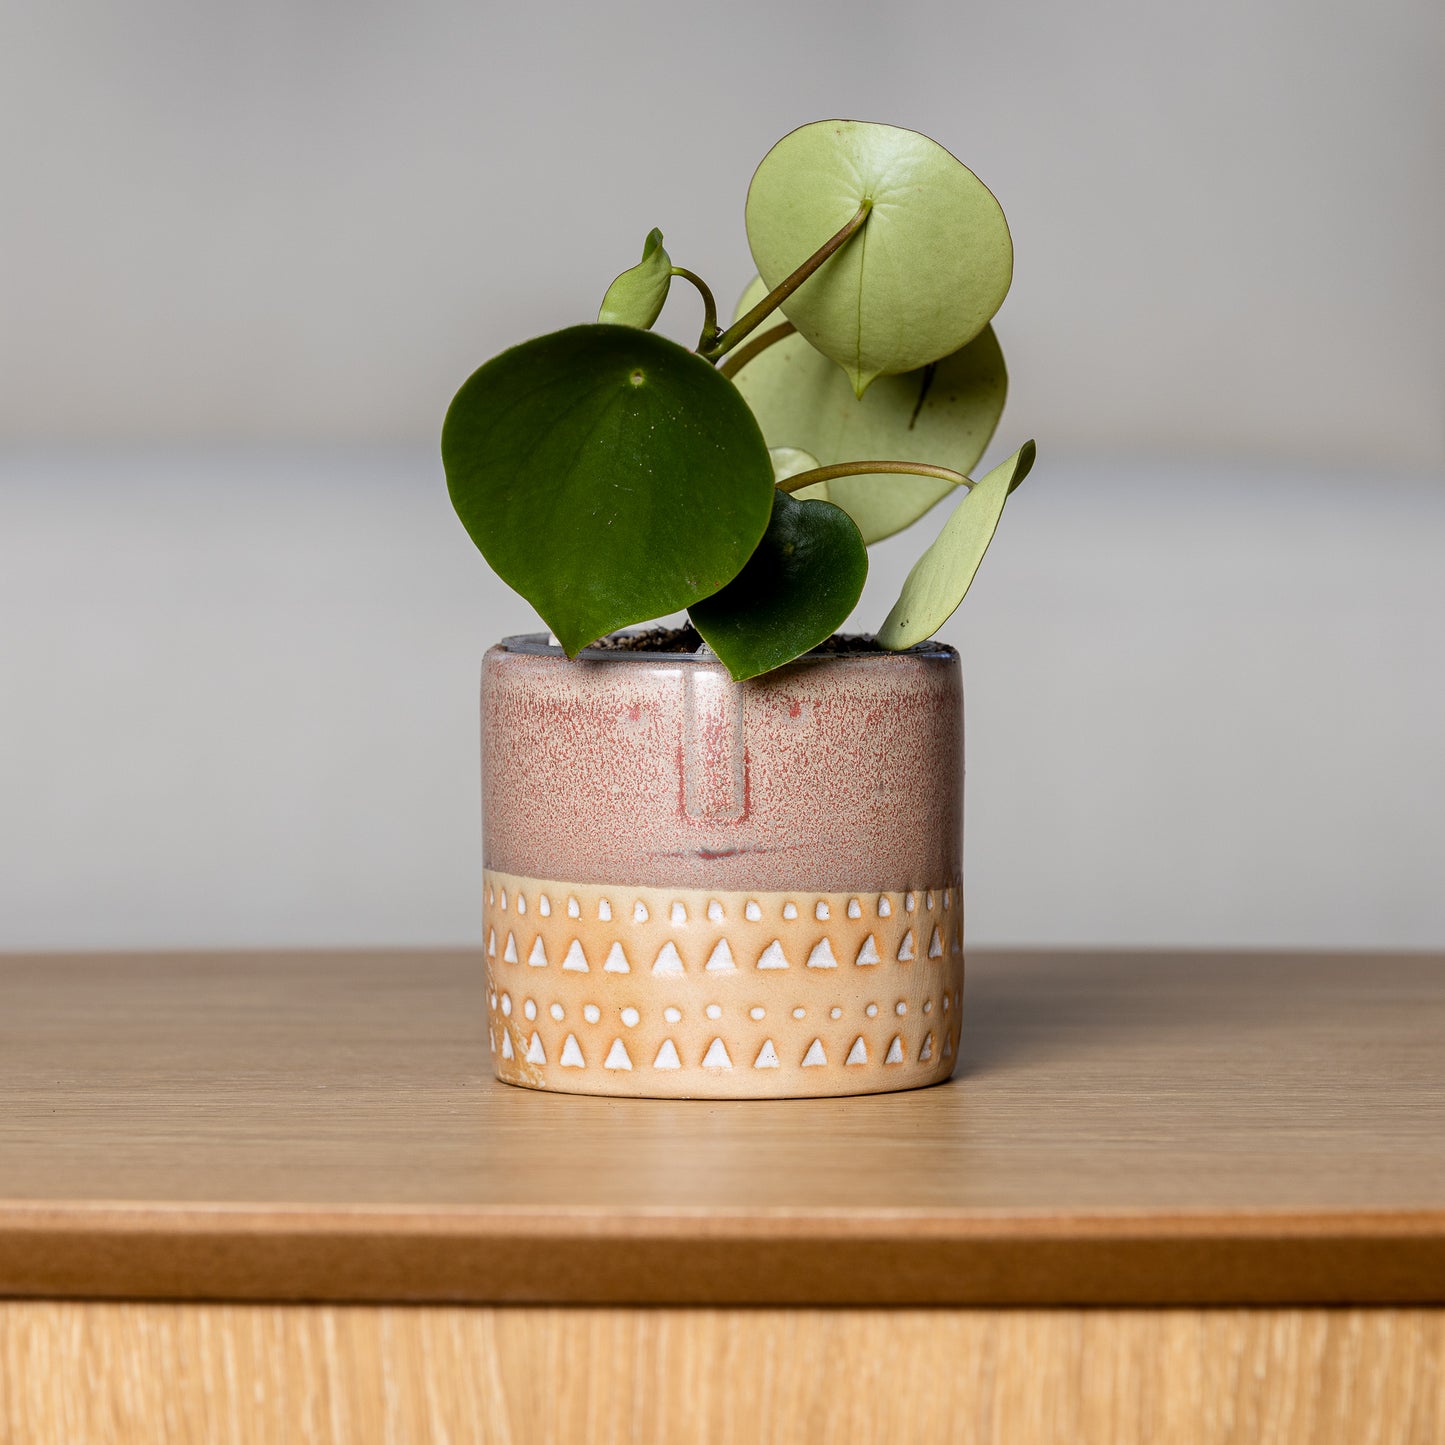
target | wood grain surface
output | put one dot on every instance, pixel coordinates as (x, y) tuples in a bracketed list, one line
[(298, 1375), (1124, 1128)]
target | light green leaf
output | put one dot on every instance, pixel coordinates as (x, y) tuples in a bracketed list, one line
[(795, 592), (942, 576), (608, 474), (636, 297), (802, 399), (924, 275), (790, 462)]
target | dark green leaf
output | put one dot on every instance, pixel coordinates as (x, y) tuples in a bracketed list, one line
[(608, 474), (795, 592)]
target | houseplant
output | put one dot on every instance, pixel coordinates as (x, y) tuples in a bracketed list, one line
[(735, 845)]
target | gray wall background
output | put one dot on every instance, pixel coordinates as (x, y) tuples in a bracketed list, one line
[(247, 254), (308, 219)]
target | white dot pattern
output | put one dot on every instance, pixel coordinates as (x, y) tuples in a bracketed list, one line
[(647, 955)]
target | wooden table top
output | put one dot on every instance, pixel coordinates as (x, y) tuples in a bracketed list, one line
[(1143, 1128)]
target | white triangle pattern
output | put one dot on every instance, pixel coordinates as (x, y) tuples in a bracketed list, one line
[(720, 960), (668, 959), (773, 956), (822, 955)]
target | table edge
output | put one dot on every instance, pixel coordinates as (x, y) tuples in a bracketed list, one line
[(57, 1249)]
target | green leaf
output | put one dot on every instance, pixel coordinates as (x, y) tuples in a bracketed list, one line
[(795, 592), (924, 275), (802, 399), (607, 474), (942, 576), (790, 462), (636, 297)]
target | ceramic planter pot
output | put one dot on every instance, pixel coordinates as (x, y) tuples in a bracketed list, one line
[(696, 888)]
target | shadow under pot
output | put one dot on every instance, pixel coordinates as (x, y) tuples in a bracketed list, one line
[(697, 888)]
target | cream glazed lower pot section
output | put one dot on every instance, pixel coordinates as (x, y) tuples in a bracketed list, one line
[(696, 888), (692, 994)]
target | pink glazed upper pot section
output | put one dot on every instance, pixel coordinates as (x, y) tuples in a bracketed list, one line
[(836, 772)]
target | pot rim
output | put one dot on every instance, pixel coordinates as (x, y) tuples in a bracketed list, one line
[(535, 644)]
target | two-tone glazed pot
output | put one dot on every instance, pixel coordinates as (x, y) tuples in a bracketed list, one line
[(696, 888)]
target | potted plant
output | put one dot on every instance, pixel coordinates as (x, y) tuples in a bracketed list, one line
[(723, 859)]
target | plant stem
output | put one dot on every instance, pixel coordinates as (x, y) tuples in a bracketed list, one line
[(785, 288), (709, 306), (863, 469), (745, 354)]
